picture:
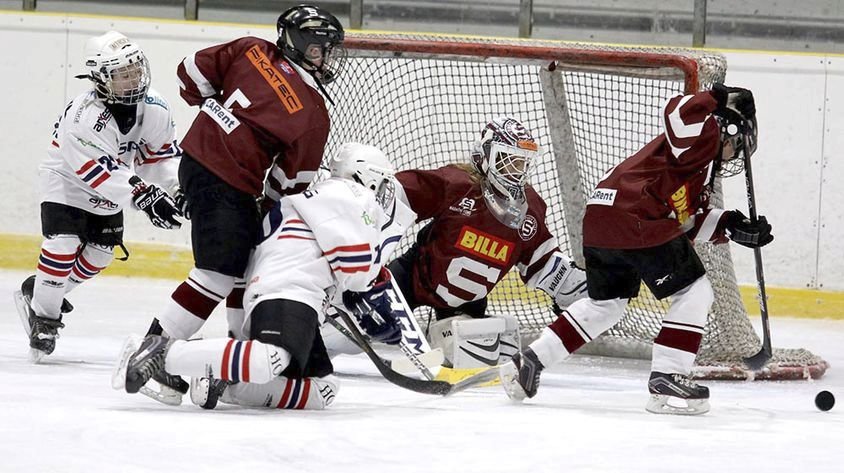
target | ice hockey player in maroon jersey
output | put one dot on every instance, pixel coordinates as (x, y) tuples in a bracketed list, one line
[(113, 147), (485, 219), (261, 112), (640, 225)]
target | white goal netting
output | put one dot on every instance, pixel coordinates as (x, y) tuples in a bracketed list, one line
[(424, 99)]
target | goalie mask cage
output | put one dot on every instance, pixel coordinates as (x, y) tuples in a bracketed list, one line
[(423, 99)]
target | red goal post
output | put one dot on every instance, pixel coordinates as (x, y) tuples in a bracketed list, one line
[(423, 99)]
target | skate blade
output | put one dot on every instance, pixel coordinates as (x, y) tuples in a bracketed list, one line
[(35, 355), (118, 375), (662, 404), (164, 395), (23, 311), (509, 376)]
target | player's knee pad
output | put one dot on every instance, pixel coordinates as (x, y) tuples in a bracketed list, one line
[(287, 324), (93, 259), (691, 304), (253, 361), (285, 393), (468, 342), (594, 317), (193, 301)]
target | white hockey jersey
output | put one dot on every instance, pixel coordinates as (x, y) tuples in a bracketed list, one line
[(89, 161), (331, 238)]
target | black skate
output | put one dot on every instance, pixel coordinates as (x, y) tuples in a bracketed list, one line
[(205, 392), (146, 362), (42, 331), (520, 377), (667, 387)]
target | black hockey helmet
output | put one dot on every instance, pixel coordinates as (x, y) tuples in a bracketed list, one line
[(312, 38)]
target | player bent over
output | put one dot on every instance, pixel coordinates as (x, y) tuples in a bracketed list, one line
[(640, 225), (484, 220), (107, 143), (322, 242)]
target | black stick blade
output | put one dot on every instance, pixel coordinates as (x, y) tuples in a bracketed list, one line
[(759, 360)]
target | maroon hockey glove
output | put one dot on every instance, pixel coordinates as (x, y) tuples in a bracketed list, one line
[(734, 100)]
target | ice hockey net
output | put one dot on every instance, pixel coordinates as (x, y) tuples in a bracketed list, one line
[(424, 99)]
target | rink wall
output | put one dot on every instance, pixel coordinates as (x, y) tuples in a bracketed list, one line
[(799, 170)]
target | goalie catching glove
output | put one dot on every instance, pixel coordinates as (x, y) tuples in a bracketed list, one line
[(157, 204), (745, 232), (374, 312)]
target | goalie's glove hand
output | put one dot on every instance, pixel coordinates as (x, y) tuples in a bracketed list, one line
[(156, 203), (734, 100), (373, 310), (181, 203), (741, 230)]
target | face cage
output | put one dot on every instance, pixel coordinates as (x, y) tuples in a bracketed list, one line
[(732, 166), (509, 168), (127, 84), (333, 63), (386, 193)]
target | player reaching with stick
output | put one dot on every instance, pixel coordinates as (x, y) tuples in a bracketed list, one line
[(640, 225)]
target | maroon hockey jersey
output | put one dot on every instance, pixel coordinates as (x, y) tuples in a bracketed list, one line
[(660, 192), (256, 107), (467, 250)]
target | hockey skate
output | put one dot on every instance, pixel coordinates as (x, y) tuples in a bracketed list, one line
[(520, 377), (667, 387), (205, 391), (42, 331), (165, 393), (145, 362)]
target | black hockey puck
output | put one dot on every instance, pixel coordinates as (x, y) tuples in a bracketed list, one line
[(824, 400)]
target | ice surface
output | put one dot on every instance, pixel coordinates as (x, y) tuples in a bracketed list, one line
[(589, 414)]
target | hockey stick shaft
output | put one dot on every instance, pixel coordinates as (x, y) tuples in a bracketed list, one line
[(758, 360), (408, 353)]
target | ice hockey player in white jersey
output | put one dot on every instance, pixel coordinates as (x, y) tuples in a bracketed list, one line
[(113, 146), (316, 246)]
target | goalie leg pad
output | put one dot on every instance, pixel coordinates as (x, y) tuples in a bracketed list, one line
[(468, 343), (313, 393), (288, 324), (511, 342)]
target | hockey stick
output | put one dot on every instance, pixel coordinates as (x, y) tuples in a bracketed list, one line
[(757, 361), (440, 388), (420, 362)]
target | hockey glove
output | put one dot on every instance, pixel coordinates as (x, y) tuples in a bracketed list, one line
[(746, 233), (373, 310), (154, 202), (181, 203), (734, 100)]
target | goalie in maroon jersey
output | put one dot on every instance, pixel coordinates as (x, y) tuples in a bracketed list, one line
[(639, 226), (261, 113), (485, 219)]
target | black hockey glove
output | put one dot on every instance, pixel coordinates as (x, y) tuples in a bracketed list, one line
[(181, 203), (154, 202), (746, 233), (734, 100), (373, 310)]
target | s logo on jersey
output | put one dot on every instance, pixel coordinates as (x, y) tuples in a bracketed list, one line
[(484, 245), (528, 228), (465, 207)]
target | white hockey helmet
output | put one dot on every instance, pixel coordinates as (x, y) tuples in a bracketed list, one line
[(369, 167), (118, 68), (503, 156)]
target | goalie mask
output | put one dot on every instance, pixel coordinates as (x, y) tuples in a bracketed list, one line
[(369, 167), (312, 38), (735, 132), (503, 156), (118, 68)]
